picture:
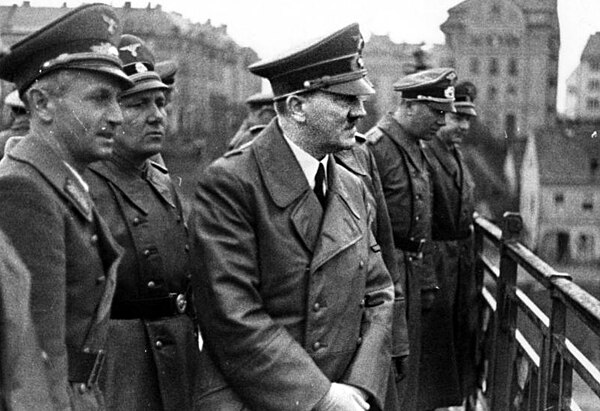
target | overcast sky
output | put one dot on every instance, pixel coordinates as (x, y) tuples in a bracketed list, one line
[(270, 26)]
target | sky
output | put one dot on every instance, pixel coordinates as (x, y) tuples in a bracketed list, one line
[(272, 26)]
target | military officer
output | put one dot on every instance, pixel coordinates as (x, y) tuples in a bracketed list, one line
[(448, 351), (260, 113), (294, 300), (69, 75), (396, 144), (152, 350), (19, 125)]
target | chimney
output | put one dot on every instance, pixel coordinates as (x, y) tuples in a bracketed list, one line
[(127, 5), (158, 7), (26, 4)]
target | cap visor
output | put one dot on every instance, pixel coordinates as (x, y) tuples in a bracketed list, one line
[(111, 71), (448, 107), (359, 87), (465, 108)]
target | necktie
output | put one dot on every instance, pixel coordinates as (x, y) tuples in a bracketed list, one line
[(319, 184)]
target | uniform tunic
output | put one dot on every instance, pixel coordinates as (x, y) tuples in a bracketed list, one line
[(292, 296), (152, 347), (405, 180), (71, 256), (447, 368)]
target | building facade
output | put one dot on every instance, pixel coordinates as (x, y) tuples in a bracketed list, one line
[(509, 50), (583, 85), (560, 193), (211, 83)]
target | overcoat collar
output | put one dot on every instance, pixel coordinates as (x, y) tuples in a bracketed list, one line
[(131, 183), (40, 155), (444, 156), (349, 159), (325, 232), (401, 138)]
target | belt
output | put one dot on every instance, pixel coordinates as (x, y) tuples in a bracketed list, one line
[(172, 305), (408, 244), (85, 368)]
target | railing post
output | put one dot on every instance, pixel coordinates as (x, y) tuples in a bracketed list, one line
[(482, 374), (506, 316), (557, 375)]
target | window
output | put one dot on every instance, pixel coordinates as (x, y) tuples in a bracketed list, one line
[(595, 65), (474, 65), (492, 93), (588, 204), (512, 90), (593, 166), (592, 103), (513, 68), (594, 85), (493, 68), (510, 125), (559, 199), (552, 81)]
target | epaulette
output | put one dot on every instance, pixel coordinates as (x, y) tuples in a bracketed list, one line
[(159, 167), (239, 150), (373, 135)]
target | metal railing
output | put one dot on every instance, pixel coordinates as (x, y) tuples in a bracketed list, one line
[(528, 367)]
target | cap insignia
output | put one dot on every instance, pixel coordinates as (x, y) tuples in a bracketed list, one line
[(449, 92), (105, 48), (451, 76), (131, 48), (140, 67), (112, 24), (360, 63)]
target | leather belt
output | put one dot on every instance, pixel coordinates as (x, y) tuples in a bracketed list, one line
[(172, 305), (85, 368), (410, 245)]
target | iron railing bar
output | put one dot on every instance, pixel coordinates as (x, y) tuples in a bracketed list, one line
[(529, 351), (490, 268), (534, 265), (586, 370), (582, 303), (533, 312), (489, 298), (490, 230)]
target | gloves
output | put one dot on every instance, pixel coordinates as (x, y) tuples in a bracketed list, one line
[(343, 397)]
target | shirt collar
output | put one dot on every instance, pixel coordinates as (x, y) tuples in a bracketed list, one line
[(308, 163)]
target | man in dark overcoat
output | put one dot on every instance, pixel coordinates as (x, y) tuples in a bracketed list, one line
[(448, 350), (152, 351), (69, 76), (396, 144), (260, 113), (294, 300)]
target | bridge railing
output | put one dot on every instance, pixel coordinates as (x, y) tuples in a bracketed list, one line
[(526, 360)]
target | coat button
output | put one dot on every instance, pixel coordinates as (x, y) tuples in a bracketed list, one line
[(359, 341), (361, 264), (151, 284), (187, 247), (417, 218), (146, 252), (82, 388), (316, 346), (136, 221), (316, 307), (94, 238), (158, 344), (362, 303)]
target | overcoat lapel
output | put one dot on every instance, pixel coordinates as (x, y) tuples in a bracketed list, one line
[(403, 141), (287, 184), (340, 227), (444, 157)]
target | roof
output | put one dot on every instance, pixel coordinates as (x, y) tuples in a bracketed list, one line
[(592, 48)]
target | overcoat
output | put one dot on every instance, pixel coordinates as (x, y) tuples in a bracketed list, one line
[(290, 296), (449, 328), (51, 221), (406, 187), (360, 161), (153, 354)]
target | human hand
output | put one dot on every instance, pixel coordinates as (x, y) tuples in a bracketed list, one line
[(343, 397)]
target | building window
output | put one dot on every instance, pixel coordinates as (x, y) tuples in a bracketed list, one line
[(510, 125), (493, 69), (559, 199), (513, 68), (595, 65), (512, 90), (474, 65), (593, 166), (492, 93), (592, 103), (552, 81), (594, 84), (588, 204)]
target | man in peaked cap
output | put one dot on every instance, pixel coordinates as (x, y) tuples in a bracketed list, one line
[(19, 125), (69, 76), (396, 144), (448, 351), (260, 113), (152, 351), (293, 297)]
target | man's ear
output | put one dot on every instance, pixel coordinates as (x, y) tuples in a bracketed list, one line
[(41, 103), (295, 106)]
